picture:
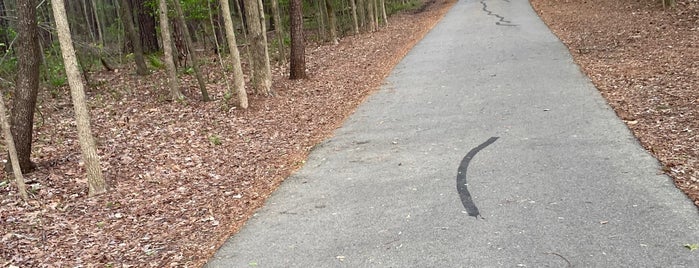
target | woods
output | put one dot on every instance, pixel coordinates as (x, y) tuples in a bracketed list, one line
[(114, 35), (182, 173), (117, 147)]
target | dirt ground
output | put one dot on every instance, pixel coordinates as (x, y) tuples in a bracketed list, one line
[(644, 59), (186, 175)]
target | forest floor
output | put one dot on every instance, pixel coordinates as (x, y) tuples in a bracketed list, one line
[(186, 175), (644, 59)]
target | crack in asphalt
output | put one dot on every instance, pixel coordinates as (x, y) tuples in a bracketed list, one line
[(462, 185), (502, 21)]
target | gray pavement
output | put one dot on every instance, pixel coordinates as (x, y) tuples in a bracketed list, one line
[(565, 184)]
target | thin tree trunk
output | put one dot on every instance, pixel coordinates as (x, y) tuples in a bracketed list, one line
[(14, 161), (354, 16), (238, 79), (376, 13), (192, 53), (332, 21), (261, 70), (320, 17), (297, 68), (89, 27), (132, 34), (166, 36), (4, 27), (382, 3), (98, 21), (361, 13), (25, 93), (279, 29), (370, 15), (95, 180), (245, 35)]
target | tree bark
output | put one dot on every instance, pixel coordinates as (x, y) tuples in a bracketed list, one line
[(382, 3), (361, 13), (354, 16), (146, 25), (297, 68), (262, 75), (279, 29), (238, 79), (332, 21), (192, 53), (25, 93), (166, 36), (132, 34), (95, 180), (370, 15), (9, 142), (4, 27), (376, 13), (98, 22)]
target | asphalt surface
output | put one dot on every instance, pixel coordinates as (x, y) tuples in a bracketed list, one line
[(490, 100)]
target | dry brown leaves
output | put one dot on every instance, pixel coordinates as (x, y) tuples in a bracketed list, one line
[(645, 61), (184, 175)]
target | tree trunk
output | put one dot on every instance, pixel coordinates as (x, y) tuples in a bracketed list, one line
[(320, 18), (279, 29), (370, 15), (146, 25), (216, 26), (376, 13), (95, 180), (354, 16), (238, 79), (361, 13), (175, 93), (332, 21), (9, 142), (669, 3), (4, 27), (28, 64), (297, 68), (88, 25), (98, 23), (382, 3), (192, 53), (130, 31), (256, 28)]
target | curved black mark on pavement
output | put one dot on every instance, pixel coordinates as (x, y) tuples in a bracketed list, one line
[(502, 21), (461, 184)]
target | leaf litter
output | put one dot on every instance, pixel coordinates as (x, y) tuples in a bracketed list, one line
[(184, 175)]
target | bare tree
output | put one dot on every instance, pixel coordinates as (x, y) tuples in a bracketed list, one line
[(361, 13), (354, 16), (17, 170), (166, 36), (190, 48), (262, 74), (95, 180), (278, 29), (297, 68), (132, 34), (332, 21), (28, 63), (382, 3), (238, 80), (371, 18)]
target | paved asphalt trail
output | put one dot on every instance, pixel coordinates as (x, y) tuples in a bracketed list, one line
[(490, 98)]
